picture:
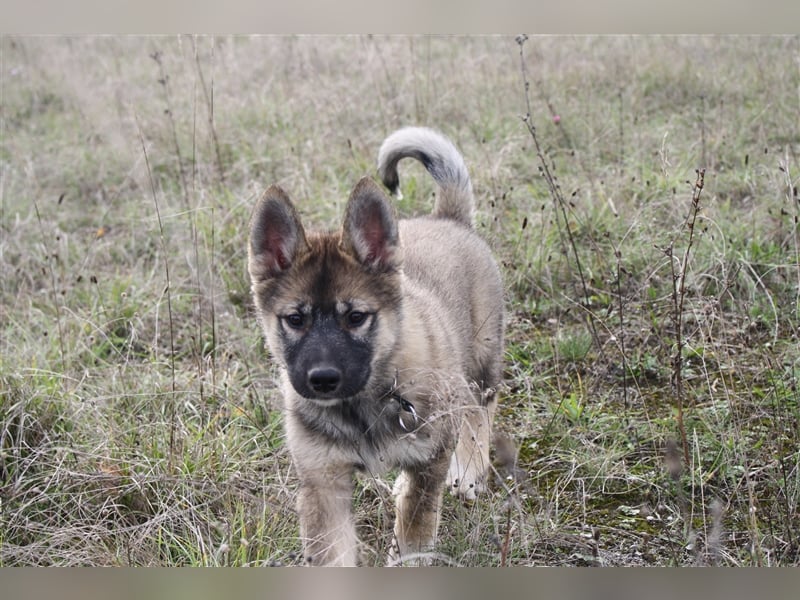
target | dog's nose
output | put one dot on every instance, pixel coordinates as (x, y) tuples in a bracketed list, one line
[(324, 380)]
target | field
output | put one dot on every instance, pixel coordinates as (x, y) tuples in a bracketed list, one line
[(639, 192)]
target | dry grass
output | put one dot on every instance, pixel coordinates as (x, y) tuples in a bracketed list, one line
[(139, 421)]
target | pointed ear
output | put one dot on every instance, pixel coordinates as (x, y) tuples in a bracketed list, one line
[(276, 235), (370, 229)]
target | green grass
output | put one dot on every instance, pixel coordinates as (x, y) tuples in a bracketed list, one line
[(139, 417)]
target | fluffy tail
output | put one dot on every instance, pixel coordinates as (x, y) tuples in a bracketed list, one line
[(442, 160)]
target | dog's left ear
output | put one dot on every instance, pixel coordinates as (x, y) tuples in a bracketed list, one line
[(370, 228)]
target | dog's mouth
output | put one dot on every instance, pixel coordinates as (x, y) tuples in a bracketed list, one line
[(325, 402)]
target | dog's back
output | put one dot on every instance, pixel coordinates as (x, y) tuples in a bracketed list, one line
[(444, 254)]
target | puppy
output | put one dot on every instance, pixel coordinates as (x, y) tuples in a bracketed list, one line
[(389, 338)]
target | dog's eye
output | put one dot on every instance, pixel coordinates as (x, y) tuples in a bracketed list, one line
[(356, 318), (295, 320)]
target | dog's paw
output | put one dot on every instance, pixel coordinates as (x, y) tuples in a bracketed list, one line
[(393, 559), (466, 479), (398, 558)]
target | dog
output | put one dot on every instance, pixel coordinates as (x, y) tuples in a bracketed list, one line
[(389, 339)]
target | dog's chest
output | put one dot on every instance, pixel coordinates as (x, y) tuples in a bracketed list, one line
[(396, 435), (405, 450)]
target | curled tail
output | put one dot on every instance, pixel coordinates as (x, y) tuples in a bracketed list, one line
[(442, 160)]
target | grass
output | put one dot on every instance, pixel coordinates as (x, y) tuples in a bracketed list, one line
[(139, 417)]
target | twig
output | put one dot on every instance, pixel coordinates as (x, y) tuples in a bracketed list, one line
[(506, 546), (164, 82), (793, 200), (678, 300), (168, 292), (703, 130), (213, 352), (208, 94), (554, 188), (621, 131), (618, 256), (50, 256), (198, 341)]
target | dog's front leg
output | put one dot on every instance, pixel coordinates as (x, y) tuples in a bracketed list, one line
[(325, 496), (418, 495), (326, 524)]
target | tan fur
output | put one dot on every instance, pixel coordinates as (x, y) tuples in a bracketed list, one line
[(433, 334)]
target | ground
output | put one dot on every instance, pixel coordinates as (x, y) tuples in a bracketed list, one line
[(640, 194)]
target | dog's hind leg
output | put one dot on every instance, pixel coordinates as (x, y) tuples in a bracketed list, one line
[(469, 464)]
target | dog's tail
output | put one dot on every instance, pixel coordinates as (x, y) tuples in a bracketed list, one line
[(442, 160)]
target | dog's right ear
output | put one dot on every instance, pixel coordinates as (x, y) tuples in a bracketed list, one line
[(276, 235), (370, 229)]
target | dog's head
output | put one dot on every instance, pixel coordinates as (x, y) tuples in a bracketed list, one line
[(329, 303)]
